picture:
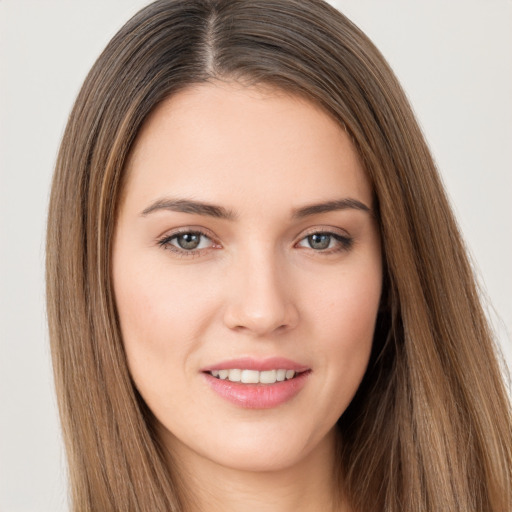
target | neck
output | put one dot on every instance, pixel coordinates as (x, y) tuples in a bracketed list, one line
[(308, 486)]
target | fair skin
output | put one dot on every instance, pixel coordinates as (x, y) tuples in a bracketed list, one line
[(256, 274)]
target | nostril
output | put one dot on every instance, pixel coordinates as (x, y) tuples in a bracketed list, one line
[(274, 318)]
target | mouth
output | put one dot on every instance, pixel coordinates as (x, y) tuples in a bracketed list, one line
[(246, 376), (257, 383)]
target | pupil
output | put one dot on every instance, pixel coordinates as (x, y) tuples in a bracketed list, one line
[(189, 240), (319, 241)]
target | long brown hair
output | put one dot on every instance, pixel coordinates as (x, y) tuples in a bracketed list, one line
[(430, 427)]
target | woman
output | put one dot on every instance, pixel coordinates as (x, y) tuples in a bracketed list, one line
[(257, 293)]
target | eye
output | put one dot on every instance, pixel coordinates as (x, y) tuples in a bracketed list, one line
[(325, 241), (186, 242)]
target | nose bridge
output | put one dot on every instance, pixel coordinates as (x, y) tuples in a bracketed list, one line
[(260, 298)]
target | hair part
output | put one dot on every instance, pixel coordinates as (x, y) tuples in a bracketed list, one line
[(430, 427)]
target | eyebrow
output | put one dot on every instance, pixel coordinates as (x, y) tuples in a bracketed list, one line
[(330, 206), (219, 212), (189, 206)]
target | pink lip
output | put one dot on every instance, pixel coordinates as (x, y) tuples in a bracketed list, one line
[(258, 396), (250, 363)]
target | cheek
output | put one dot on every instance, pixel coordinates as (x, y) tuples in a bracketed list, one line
[(346, 305), (344, 317), (163, 316), (147, 317), (148, 298)]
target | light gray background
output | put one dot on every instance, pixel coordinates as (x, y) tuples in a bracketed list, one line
[(455, 62)]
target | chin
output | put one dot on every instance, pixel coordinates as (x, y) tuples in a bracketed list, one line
[(258, 459), (264, 450)]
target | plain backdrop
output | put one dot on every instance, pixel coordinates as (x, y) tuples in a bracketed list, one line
[(455, 62)]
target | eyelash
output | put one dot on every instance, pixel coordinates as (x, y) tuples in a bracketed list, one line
[(166, 243), (344, 242)]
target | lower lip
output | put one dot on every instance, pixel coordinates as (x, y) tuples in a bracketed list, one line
[(258, 396)]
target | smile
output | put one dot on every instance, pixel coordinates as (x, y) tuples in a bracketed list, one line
[(253, 389), (254, 376)]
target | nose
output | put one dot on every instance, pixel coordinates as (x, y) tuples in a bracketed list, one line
[(260, 297)]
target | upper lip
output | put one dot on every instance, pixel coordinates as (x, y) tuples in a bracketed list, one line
[(251, 363)]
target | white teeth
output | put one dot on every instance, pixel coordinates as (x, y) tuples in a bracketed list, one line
[(235, 375), (254, 376), (268, 377), (250, 377)]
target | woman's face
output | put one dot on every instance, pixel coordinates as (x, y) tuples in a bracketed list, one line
[(246, 248)]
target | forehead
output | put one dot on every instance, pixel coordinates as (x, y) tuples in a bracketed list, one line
[(224, 139)]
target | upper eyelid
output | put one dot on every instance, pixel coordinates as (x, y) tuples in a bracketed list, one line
[(344, 239), (323, 229), (169, 234)]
